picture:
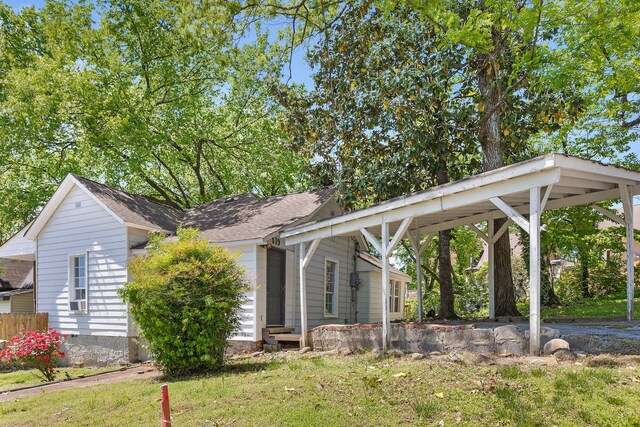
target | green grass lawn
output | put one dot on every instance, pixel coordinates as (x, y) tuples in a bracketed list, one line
[(356, 391), (601, 307), (17, 379)]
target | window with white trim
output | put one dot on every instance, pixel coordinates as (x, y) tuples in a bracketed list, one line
[(330, 288), (78, 279), (394, 296)]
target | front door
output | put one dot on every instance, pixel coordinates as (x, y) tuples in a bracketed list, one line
[(275, 287)]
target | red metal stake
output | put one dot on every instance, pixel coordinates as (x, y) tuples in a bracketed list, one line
[(166, 412)]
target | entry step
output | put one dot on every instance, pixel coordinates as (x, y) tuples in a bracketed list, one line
[(279, 330), (286, 337)]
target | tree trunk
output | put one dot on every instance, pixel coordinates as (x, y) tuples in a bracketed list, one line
[(584, 277), (445, 272), (447, 309), (490, 136), (549, 298)]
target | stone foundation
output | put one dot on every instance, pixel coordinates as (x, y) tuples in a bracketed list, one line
[(85, 350), (425, 338), (236, 347)]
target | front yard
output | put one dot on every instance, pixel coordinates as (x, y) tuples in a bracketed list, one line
[(359, 390)]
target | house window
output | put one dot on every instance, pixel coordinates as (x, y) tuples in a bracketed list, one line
[(78, 283), (330, 288), (394, 296)]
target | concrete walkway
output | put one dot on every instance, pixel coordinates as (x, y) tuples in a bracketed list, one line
[(130, 374)]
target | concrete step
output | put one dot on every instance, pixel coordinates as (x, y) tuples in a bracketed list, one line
[(286, 337), (279, 330)]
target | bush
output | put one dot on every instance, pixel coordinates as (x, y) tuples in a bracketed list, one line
[(35, 350), (186, 296)]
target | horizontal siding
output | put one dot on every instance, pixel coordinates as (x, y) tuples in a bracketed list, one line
[(5, 307), (247, 259), (73, 230), (340, 249), (364, 298), (22, 303)]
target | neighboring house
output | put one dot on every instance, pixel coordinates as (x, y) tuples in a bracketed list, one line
[(16, 287), (88, 231)]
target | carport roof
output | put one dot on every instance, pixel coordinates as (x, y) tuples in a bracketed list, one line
[(566, 181)]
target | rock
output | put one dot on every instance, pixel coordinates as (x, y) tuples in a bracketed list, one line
[(256, 353), (555, 345), (305, 350), (347, 352), (395, 353), (481, 359), (417, 356), (455, 357), (541, 361), (564, 354), (580, 354), (509, 339), (271, 348), (435, 353)]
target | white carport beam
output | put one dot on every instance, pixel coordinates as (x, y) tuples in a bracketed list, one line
[(534, 271), (479, 233), (385, 287), (626, 195), (419, 250), (371, 239), (547, 193), (510, 212), (613, 217), (491, 275), (502, 230), (305, 255), (399, 234)]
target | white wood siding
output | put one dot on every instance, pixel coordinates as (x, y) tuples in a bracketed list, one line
[(370, 297), (5, 307), (247, 255), (74, 229), (22, 303)]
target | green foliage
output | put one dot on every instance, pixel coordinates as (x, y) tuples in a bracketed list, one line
[(186, 296), (132, 93)]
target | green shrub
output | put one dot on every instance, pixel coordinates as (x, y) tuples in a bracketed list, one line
[(186, 297)]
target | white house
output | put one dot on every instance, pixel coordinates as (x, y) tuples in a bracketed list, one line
[(84, 236)]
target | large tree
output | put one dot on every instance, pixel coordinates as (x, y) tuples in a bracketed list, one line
[(138, 99), (386, 116)]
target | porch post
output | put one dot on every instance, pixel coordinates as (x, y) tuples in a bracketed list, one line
[(627, 203), (491, 266), (385, 286), (303, 297), (305, 258), (534, 270), (419, 282)]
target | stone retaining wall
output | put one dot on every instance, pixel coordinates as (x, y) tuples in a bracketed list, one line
[(425, 338)]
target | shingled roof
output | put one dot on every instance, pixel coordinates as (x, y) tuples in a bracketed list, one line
[(232, 218), (247, 217), (133, 208), (17, 276)]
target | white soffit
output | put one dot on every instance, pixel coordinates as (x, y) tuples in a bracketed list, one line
[(572, 180)]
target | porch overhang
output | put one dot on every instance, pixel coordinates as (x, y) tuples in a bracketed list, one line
[(547, 182)]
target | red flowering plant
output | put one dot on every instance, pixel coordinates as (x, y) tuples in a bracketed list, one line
[(35, 350)]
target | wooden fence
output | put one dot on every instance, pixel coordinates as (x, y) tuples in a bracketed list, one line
[(11, 324)]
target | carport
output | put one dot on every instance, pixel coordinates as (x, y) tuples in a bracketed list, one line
[(528, 188)]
